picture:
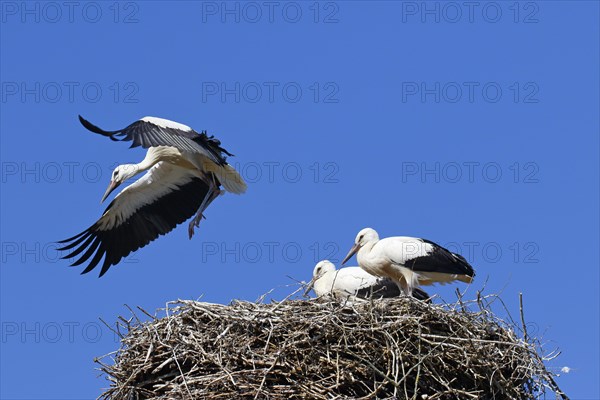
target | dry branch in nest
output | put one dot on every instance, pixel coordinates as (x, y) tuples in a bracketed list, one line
[(322, 349)]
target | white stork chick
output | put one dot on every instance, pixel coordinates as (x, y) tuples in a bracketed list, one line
[(353, 283), (408, 261), (185, 172)]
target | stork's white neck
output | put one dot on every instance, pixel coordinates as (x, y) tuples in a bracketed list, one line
[(365, 257), (152, 158), (131, 170), (324, 283), (367, 247)]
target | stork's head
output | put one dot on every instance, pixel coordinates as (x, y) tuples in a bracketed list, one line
[(321, 269), (363, 237), (120, 175)]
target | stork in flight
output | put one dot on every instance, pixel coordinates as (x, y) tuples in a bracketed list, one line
[(352, 283), (408, 261), (186, 170)]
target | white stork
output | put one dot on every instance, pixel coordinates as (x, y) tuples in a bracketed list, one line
[(185, 172), (408, 261), (352, 283)]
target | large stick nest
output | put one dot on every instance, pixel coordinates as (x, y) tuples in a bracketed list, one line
[(322, 349)]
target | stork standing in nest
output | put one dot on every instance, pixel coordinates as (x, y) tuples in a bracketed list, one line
[(408, 261), (186, 171)]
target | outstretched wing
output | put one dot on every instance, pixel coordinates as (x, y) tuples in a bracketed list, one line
[(151, 131), (155, 204)]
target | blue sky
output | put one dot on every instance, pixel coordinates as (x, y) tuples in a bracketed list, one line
[(476, 128)]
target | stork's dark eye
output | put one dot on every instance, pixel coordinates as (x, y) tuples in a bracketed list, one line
[(114, 173), (361, 238)]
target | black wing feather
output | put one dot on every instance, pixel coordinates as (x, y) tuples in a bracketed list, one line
[(75, 240), (382, 288), (84, 245), (386, 288), (441, 260), (420, 294)]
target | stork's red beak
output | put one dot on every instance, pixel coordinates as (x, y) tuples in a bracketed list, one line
[(111, 186), (352, 251)]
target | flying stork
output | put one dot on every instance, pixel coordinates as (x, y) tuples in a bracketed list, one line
[(352, 283), (186, 170), (408, 261)]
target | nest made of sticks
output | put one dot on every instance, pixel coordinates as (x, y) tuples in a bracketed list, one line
[(324, 349)]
